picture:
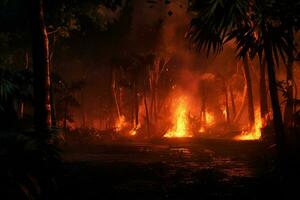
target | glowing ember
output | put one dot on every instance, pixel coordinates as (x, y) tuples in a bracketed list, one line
[(179, 128), (120, 123), (255, 132)]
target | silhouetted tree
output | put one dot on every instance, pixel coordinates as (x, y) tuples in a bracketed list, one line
[(41, 68), (257, 27)]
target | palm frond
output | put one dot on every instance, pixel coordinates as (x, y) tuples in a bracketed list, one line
[(7, 86), (215, 19)]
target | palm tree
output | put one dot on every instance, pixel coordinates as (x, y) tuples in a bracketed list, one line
[(15, 90), (264, 109), (289, 107), (41, 68), (249, 90), (257, 27)]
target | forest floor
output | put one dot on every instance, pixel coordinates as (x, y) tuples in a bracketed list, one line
[(167, 169)]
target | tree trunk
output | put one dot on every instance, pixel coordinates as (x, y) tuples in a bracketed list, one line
[(277, 117), (147, 114), (115, 94), (242, 108), (83, 117), (52, 95), (203, 109), (232, 102), (249, 91), (41, 68), (289, 107), (26, 58), (226, 104), (136, 105), (264, 110), (65, 115)]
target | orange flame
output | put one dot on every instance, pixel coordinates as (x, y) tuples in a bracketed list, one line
[(209, 121), (209, 118), (225, 113), (120, 123), (255, 132), (179, 128), (133, 131), (202, 130)]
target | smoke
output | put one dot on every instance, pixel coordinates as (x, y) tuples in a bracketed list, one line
[(144, 29)]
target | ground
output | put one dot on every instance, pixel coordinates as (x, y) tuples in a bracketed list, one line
[(166, 169)]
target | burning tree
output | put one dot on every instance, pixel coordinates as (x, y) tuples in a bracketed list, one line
[(140, 76)]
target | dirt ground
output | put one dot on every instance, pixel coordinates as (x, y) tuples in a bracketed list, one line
[(167, 169)]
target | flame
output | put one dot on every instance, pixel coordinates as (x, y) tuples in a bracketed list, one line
[(209, 118), (120, 123), (225, 113), (133, 131), (179, 128), (255, 132), (202, 130), (209, 121)]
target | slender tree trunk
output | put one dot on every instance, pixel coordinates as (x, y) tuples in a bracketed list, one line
[(41, 68), (155, 104), (249, 91), (83, 117), (65, 115), (203, 109), (277, 117), (226, 104), (119, 93), (132, 108), (26, 58), (52, 95), (136, 105), (288, 111), (115, 94), (147, 114), (264, 110), (232, 102), (243, 106)]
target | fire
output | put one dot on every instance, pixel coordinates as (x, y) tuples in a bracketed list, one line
[(202, 130), (255, 132), (179, 128), (209, 121), (225, 113), (120, 123), (209, 118), (133, 131)]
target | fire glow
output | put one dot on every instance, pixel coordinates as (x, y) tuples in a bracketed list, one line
[(120, 123), (209, 121), (255, 132), (180, 127), (133, 131)]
